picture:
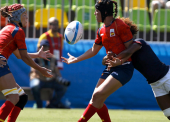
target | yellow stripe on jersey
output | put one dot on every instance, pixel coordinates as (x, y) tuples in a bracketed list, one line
[(10, 91)]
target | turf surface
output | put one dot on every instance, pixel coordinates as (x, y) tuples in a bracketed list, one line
[(72, 115)]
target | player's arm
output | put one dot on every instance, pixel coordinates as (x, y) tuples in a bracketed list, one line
[(126, 54), (16, 53), (88, 54), (123, 56), (25, 57), (115, 61), (19, 39), (126, 36), (127, 51), (40, 54), (94, 50)]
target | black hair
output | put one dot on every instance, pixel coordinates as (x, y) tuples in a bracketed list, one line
[(106, 8)]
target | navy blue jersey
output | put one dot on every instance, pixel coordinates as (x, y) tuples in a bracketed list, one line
[(148, 64)]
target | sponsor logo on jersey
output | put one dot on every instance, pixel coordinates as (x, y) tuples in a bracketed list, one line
[(112, 32)]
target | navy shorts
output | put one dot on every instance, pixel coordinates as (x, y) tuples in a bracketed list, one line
[(122, 73), (4, 70)]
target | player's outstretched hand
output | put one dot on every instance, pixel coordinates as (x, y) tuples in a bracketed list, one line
[(45, 72), (44, 54), (69, 60), (113, 62), (2, 62)]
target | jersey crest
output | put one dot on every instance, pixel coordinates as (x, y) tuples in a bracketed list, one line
[(112, 32)]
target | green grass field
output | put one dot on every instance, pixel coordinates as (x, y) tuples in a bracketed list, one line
[(72, 115)]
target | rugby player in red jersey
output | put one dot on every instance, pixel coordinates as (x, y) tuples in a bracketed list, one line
[(115, 36), (12, 37), (156, 72)]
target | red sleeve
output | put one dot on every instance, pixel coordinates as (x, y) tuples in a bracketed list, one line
[(98, 39), (125, 33), (20, 40)]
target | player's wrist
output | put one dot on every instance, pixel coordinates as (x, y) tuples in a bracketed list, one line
[(38, 54), (75, 60), (120, 60)]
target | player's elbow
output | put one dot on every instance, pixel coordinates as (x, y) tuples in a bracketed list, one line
[(24, 57), (95, 53)]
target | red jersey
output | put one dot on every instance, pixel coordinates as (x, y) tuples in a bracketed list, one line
[(114, 36), (11, 38)]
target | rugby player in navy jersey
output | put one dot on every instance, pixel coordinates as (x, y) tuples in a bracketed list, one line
[(156, 72)]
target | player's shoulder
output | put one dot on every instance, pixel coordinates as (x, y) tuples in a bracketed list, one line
[(99, 30), (119, 22), (10, 27), (19, 32)]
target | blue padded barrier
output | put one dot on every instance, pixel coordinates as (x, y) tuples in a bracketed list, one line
[(136, 94)]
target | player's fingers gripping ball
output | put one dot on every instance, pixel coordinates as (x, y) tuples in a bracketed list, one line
[(73, 32)]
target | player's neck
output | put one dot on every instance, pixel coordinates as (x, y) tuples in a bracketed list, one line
[(108, 20), (16, 23)]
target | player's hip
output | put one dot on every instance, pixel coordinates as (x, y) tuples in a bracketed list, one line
[(122, 73), (162, 86)]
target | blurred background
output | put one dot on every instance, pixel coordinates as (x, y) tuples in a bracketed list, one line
[(153, 22), (154, 26)]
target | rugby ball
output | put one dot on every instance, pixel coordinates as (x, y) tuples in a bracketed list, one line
[(73, 32)]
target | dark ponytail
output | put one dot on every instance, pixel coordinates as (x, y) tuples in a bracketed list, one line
[(4, 12)]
